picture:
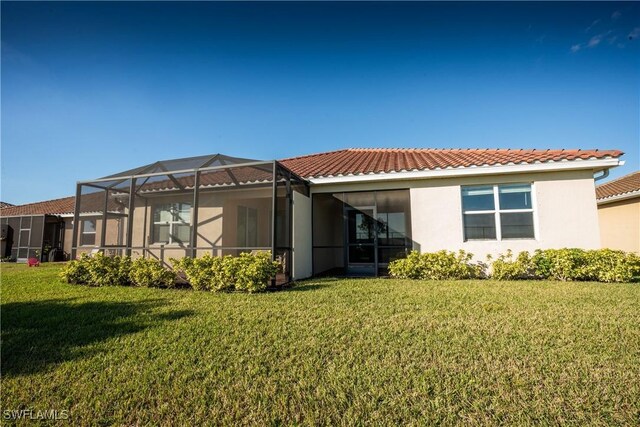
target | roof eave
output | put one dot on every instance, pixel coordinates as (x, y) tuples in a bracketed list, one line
[(563, 165), (618, 197)]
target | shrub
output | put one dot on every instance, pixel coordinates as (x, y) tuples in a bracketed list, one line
[(198, 271), (247, 272), (607, 265), (506, 268), (253, 272), (441, 265), (108, 271), (97, 270), (560, 264), (76, 271), (569, 264), (407, 268), (150, 273)]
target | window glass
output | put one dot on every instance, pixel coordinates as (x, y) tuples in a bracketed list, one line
[(479, 226), (478, 198), (515, 196), (180, 233), (391, 229), (172, 223), (183, 213), (162, 213), (517, 225), (161, 233), (88, 226), (88, 235)]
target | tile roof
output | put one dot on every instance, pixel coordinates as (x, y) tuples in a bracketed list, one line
[(5, 205), (618, 187), (358, 161), (65, 205)]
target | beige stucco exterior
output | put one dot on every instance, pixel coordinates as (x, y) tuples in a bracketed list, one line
[(217, 218), (565, 213), (620, 224), (302, 254)]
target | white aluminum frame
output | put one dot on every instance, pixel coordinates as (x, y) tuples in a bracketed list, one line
[(497, 211)]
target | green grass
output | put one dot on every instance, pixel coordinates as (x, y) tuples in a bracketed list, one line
[(331, 351)]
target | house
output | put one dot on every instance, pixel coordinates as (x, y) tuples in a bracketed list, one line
[(619, 213), (31, 230), (349, 211)]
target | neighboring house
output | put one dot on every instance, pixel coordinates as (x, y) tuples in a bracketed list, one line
[(31, 230), (347, 211), (5, 205), (619, 213)]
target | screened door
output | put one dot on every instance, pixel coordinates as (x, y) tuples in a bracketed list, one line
[(361, 240)]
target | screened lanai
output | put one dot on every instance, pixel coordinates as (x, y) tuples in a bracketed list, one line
[(213, 204)]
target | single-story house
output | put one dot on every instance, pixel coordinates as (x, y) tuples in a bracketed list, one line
[(619, 213), (33, 229), (349, 211)]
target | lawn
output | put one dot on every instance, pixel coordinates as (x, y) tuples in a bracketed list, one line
[(330, 351)]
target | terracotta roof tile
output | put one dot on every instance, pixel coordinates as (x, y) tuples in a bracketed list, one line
[(358, 161), (620, 186), (65, 205)]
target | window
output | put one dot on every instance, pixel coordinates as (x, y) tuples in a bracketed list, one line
[(172, 223), (88, 232), (498, 212), (247, 227)]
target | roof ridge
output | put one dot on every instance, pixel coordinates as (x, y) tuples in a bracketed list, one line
[(304, 156), (42, 201)]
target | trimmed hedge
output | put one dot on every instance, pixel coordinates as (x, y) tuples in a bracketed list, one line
[(441, 265), (569, 264), (247, 272), (150, 273)]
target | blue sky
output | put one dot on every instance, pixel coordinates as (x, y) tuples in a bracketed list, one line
[(90, 89)]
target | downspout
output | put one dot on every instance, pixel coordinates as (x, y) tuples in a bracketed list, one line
[(605, 173)]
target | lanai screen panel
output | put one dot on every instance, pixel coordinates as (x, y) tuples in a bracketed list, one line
[(218, 205)]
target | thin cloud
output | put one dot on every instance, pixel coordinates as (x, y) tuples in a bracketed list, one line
[(593, 24), (594, 41), (615, 15), (634, 34)]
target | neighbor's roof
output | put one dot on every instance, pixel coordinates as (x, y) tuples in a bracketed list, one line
[(361, 161), (5, 205), (623, 187), (65, 205)]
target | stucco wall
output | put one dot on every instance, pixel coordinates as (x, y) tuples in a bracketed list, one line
[(217, 217), (302, 264), (620, 225), (565, 211)]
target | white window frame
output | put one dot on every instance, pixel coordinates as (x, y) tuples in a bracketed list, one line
[(497, 211), (82, 232), (174, 206)]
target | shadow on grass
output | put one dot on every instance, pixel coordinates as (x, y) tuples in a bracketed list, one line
[(37, 335), (311, 285)]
